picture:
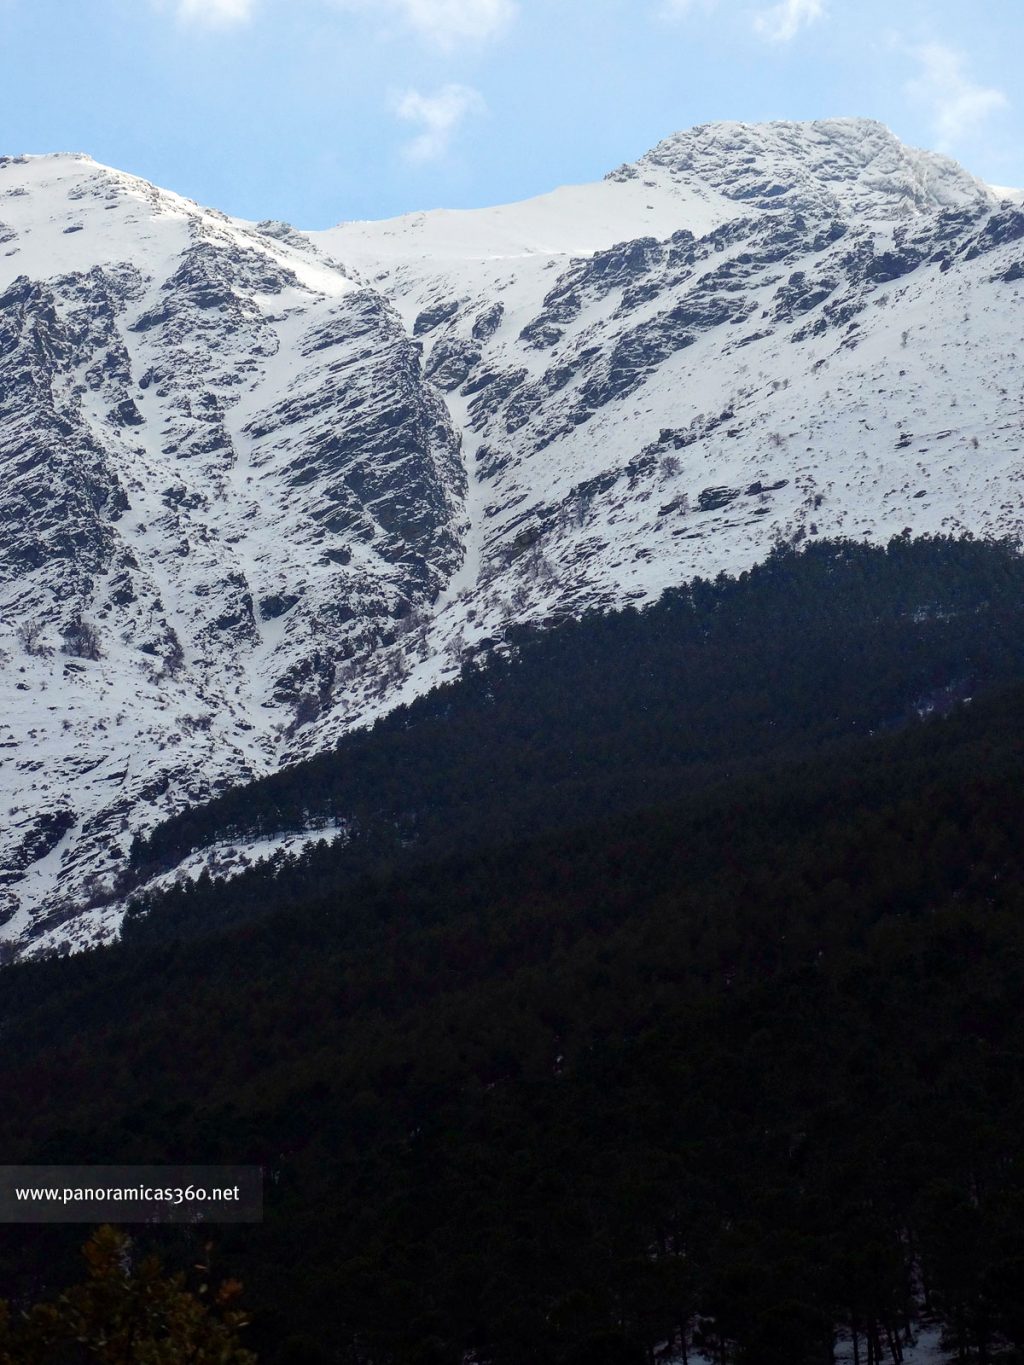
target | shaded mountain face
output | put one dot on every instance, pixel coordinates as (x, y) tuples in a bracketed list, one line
[(261, 485)]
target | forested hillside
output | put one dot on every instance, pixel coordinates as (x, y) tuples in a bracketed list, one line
[(619, 712), (736, 1069), (260, 486)]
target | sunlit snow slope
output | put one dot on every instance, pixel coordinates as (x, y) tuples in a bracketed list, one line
[(278, 481)]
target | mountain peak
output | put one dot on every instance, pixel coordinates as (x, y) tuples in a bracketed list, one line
[(252, 498), (842, 166), (27, 157)]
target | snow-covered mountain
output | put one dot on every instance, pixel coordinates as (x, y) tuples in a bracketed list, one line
[(259, 485)]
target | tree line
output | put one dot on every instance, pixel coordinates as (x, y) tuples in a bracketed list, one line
[(732, 1070)]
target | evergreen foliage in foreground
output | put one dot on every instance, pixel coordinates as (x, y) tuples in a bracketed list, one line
[(127, 1312), (735, 1071)]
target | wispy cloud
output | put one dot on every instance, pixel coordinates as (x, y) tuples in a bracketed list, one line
[(215, 12), (447, 22), (779, 23), (676, 9), (443, 23), (438, 117), (957, 104), (782, 22)]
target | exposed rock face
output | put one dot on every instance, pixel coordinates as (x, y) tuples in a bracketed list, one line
[(836, 167), (224, 475), (252, 497)]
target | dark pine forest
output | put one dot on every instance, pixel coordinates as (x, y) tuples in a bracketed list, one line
[(660, 996)]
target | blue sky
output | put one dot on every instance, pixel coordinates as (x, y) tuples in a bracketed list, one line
[(319, 110)]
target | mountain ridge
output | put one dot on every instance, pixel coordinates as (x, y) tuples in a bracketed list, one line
[(262, 485)]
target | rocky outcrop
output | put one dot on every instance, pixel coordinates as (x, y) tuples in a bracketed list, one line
[(251, 500), (225, 475)]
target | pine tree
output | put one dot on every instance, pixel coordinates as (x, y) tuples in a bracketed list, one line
[(127, 1314)]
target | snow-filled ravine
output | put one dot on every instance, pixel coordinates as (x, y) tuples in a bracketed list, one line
[(260, 485)]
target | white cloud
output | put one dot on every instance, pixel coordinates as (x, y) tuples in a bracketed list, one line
[(957, 105), (445, 23), (782, 22), (779, 23), (438, 116), (675, 9), (215, 12)]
